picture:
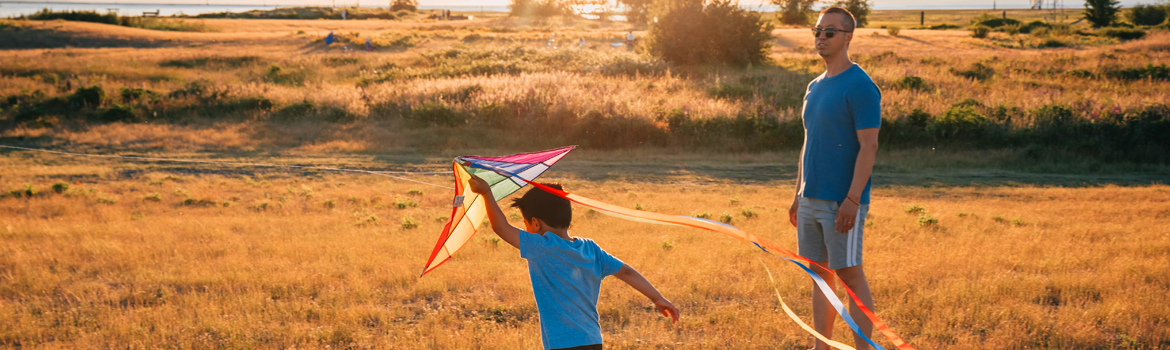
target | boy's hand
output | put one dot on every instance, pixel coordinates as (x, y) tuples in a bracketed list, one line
[(480, 186), (667, 309)]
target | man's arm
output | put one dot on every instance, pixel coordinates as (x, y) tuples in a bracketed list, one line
[(862, 169), (500, 224), (634, 279), (796, 196)]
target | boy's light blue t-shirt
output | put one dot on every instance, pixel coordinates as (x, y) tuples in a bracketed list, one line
[(834, 109), (566, 279)]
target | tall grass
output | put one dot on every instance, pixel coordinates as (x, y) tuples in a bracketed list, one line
[(1097, 102), (221, 260)]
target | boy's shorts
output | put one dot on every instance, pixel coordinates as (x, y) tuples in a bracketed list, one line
[(816, 232)]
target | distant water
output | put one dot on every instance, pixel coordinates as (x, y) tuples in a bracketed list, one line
[(18, 8)]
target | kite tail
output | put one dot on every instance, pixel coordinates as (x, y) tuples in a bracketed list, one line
[(733, 232), (796, 319)]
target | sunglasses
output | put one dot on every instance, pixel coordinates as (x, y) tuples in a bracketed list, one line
[(828, 32)]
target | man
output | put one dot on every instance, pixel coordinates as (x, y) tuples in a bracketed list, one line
[(842, 114)]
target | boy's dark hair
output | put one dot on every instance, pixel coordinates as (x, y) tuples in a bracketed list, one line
[(554, 211), (850, 21)]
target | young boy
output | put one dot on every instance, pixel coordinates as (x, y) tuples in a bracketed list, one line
[(566, 271)]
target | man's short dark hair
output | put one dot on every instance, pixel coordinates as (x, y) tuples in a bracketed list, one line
[(850, 21), (554, 211)]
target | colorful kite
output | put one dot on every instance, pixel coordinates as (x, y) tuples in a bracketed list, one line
[(469, 210), (508, 174)]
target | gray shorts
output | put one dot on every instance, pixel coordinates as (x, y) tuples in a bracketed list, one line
[(817, 236)]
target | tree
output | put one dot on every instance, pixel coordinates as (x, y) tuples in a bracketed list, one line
[(1101, 13), (859, 9), (638, 10), (795, 12), (539, 8), (399, 5), (689, 32)]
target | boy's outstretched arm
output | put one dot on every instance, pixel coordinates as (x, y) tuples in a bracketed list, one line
[(500, 224), (634, 279)]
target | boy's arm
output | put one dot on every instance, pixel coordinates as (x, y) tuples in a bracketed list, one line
[(634, 279), (500, 224)]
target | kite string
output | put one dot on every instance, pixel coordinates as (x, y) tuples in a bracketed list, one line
[(379, 173)]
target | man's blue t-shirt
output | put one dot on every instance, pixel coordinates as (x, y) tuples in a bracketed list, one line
[(834, 109), (566, 279)]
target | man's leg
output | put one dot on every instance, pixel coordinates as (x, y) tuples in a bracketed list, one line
[(823, 313), (854, 278)]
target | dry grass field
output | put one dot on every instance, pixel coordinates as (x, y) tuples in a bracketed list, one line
[(969, 246), (155, 255)]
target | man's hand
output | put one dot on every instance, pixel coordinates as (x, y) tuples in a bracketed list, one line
[(667, 309), (846, 216), (792, 210), (480, 186)]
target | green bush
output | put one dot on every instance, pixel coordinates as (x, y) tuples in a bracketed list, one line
[(980, 31), (992, 21), (1146, 15), (118, 113), (212, 62), (960, 122), (943, 26), (1123, 33), (79, 16), (90, 96), (978, 71), (912, 83), (404, 5), (894, 30), (690, 33), (859, 9), (137, 94), (1012, 29), (796, 12), (1150, 71)]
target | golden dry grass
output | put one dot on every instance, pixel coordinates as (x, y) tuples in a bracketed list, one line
[(139, 256), (1023, 79)]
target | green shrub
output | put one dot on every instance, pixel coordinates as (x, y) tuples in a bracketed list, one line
[(1012, 29), (79, 16), (212, 62), (911, 82), (409, 223), (690, 33), (60, 187), (992, 21), (962, 122), (915, 210), (859, 9), (1150, 71), (926, 221), (118, 113), (1146, 15), (978, 71), (403, 5), (281, 76), (1123, 33), (136, 94), (943, 26), (894, 30), (980, 31), (90, 96)]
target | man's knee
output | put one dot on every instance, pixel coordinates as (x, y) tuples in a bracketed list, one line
[(851, 275)]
